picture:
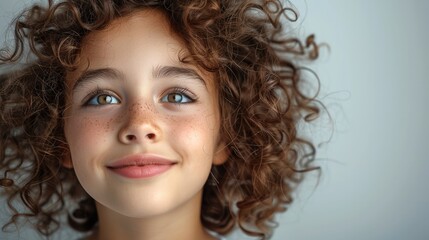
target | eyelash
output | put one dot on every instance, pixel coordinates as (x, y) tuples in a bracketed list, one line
[(180, 91), (97, 93), (176, 90)]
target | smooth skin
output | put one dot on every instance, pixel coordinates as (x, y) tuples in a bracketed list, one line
[(131, 95)]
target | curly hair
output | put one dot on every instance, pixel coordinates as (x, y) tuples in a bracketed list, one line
[(261, 101)]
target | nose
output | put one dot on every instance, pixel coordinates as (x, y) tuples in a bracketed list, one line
[(139, 125)]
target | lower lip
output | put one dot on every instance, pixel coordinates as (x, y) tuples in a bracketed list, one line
[(144, 171)]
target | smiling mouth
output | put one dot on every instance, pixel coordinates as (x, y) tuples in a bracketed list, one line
[(141, 166)]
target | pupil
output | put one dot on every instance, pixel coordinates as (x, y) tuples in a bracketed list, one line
[(174, 98), (103, 99)]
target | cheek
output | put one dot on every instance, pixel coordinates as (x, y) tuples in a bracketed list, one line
[(83, 134), (196, 134), (86, 138)]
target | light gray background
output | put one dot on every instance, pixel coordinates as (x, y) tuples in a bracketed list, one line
[(374, 182)]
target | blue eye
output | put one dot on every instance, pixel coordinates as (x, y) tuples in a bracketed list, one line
[(103, 99), (176, 97)]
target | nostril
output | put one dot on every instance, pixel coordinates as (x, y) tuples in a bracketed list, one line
[(150, 136), (131, 137)]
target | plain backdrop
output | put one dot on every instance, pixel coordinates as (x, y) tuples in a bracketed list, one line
[(374, 75)]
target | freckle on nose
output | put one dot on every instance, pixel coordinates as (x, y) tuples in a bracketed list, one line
[(146, 110)]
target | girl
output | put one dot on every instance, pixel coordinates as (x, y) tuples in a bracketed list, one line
[(154, 119)]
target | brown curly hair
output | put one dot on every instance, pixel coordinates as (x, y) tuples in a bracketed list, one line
[(261, 101)]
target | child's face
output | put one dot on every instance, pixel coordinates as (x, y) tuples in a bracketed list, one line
[(132, 97)]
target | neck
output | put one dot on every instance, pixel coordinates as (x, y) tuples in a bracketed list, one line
[(181, 223)]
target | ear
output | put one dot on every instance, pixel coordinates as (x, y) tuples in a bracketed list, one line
[(222, 154), (66, 161)]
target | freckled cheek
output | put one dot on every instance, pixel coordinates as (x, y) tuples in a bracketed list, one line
[(196, 134), (85, 132)]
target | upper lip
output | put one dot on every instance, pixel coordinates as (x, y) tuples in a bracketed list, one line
[(140, 160)]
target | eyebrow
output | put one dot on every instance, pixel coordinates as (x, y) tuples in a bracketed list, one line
[(157, 72), (173, 71), (89, 75)]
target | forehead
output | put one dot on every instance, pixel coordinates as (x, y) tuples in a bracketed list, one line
[(136, 29), (141, 38), (146, 22)]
